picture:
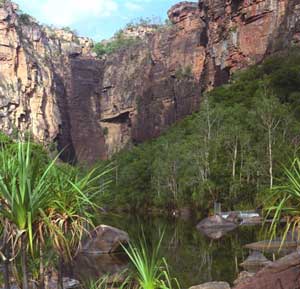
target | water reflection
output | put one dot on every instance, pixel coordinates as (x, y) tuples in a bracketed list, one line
[(93, 267), (216, 234), (194, 257)]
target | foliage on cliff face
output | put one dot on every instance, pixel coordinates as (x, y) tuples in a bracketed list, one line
[(118, 42), (231, 151)]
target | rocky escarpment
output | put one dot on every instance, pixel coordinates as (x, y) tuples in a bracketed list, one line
[(151, 86), (35, 81), (51, 85)]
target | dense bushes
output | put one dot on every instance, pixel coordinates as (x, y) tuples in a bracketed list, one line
[(120, 40), (231, 151)]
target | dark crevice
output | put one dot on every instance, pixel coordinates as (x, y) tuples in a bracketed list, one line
[(118, 119)]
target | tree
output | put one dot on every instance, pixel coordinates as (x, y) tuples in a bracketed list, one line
[(271, 114)]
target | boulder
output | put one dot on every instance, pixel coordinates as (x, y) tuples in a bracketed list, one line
[(252, 221), (282, 274), (234, 217), (243, 277), (212, 285), (215, 227), (105, 240), (216, 222), (95, 267)]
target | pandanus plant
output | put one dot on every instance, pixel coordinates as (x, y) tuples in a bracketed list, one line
[(24, 193), (285, 203), (39, 198), (70, 215)]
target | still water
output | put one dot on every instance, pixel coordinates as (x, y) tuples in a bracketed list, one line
[(193, 257)]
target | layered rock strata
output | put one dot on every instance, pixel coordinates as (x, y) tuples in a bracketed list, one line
[(51, 85)]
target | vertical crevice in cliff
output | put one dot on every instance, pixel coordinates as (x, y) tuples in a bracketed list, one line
[(83, 97), (63, 139)]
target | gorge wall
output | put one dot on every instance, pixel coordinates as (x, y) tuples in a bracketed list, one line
[(52, 85)]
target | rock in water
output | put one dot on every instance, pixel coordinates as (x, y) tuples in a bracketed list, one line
[(95, 267), (217, 222), (255, 261), (212, 285), (215, 227), (105, 240), (282, 274)]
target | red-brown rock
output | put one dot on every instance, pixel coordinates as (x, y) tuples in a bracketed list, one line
[(282, 274), (51, 85)]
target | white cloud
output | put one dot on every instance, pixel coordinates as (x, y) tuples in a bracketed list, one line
[(68, 12), (133, 6)]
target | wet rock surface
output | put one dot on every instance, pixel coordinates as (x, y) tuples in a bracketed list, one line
[(94, 267), (282, 274), (105, 240)]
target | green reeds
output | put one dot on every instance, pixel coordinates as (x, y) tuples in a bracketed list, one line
[(151, 270), (285, 203)]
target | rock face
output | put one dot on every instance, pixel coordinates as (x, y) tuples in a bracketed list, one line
[(52, 86), (105, 240), (282, 274)]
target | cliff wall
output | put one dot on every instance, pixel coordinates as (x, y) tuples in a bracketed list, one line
[(51, 85)]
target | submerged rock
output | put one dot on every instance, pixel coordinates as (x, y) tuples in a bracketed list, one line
[(212, 285), (105, 240)]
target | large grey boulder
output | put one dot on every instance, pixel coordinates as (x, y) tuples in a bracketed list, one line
[(212, 285), (105, 240)]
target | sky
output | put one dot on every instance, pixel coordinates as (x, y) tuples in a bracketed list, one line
[(97, 19)]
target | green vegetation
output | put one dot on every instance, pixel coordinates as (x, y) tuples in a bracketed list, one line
[(44, 207), (119, 41), (154, 22), (25, 18), (70, 30), (152, 271), (231, 151), (284, 202)]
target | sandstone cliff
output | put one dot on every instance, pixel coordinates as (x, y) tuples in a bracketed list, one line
[(51, 84)]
